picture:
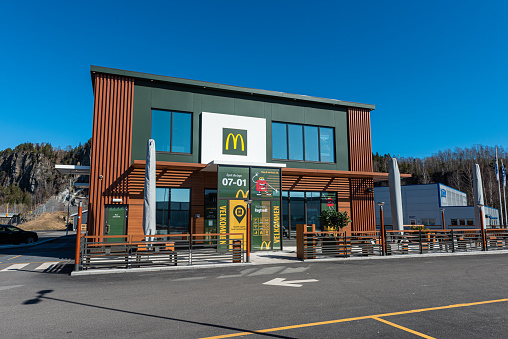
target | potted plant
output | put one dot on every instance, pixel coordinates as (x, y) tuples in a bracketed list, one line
[(333, 221)]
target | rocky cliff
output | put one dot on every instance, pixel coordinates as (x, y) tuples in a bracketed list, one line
[(28, 175)]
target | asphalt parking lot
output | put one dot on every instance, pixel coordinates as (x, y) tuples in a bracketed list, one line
[(438, 297)]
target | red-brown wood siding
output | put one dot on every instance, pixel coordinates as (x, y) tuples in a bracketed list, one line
[(360, 159), (111, 145)]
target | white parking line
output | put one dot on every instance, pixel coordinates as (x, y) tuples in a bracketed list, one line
[(14, 267), (47, 265)]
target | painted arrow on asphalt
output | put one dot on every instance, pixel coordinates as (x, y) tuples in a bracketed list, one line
[(289, 283)]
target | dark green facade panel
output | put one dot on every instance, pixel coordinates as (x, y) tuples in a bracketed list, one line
[(217, 104), (288, 113), (341, 142), (173, 100), (250, 108), (149, 95), (320, 117), (141, 121)]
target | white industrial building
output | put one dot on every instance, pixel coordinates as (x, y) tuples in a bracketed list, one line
[(422, 204)]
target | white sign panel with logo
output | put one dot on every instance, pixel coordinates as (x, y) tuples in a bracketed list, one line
[(232, 138)]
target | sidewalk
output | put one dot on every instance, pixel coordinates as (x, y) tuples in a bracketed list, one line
[(288, 255)]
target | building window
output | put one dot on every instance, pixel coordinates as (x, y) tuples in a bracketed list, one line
[(295, 141), (470, 222), (279, 141), (210, 210), (172, 131), (454, 222), (305, 208), (172, 214), (302, 142)]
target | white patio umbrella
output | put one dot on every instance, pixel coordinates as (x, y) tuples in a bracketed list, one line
[(149, 198), (478, 196), (395, 195)]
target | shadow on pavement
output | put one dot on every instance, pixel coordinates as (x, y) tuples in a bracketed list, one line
[(61, 248), (43, 295)]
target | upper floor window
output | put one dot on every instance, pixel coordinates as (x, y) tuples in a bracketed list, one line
[(302, 142), (172, 131)]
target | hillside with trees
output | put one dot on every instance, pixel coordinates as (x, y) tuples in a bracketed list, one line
[(27, 173), (453, 168)]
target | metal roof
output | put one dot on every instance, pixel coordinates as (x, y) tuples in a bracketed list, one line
[(227, 88)]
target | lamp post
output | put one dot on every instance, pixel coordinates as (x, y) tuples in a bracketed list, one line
[(247, 241), (78, 236), (383, 240), (482, 225), (442, 217), (68, 208)]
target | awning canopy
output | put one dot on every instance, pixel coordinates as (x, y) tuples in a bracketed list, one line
[(376, 176), (73, 169)]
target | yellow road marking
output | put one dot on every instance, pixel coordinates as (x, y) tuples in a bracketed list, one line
[(404, 328), (15, 257), (275, 329)]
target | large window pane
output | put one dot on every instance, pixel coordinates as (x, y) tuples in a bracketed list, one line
[(313, 209), (210, 211), (297, 201), (285, 214), (182, 127), (162, 211), (161, 130), (311, 143), (295, 138), (327, 144), (279, 141), (180, 210)]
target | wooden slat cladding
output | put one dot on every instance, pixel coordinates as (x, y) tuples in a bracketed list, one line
[(111, 145), (360, 159), (362, 205), (360, 146)]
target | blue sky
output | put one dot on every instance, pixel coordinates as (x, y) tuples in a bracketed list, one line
[(436, 70)]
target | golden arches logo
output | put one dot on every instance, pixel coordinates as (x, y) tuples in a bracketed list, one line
[(235, 141), (244, 194), (266, 245)]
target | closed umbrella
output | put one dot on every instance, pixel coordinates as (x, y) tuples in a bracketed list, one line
[(395, 195), (478, 196), (149, 198)]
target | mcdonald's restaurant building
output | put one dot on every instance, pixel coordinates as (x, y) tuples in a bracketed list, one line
[(218, 146)]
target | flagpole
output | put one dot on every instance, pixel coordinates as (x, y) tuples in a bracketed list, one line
[(499, 186), (503, 173)]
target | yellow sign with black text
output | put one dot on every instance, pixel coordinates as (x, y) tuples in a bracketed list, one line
[(238, 220)]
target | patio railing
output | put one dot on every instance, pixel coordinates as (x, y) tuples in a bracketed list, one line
[(130, 251), (335, 244)]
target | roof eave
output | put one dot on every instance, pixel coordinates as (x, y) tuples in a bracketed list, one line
[(228, 88)]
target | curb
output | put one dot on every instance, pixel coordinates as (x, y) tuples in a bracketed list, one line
[(275, 262)]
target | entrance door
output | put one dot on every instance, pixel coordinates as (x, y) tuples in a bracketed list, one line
[(115, 221)]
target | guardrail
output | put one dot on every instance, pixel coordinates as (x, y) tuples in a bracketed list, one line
[(130, 251), (336, 244)]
